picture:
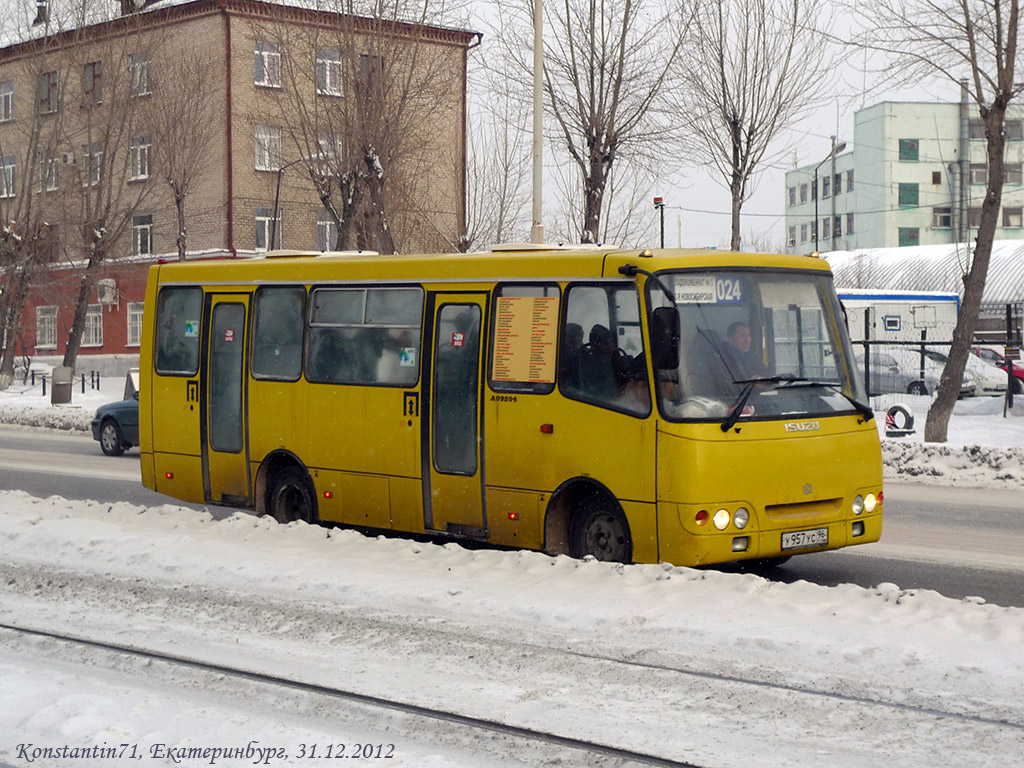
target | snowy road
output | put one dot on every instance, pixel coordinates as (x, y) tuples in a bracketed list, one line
[(711, 668)]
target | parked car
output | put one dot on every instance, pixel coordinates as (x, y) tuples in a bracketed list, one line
[(116, 425), (994, 355), (987, 379), (899, 371)]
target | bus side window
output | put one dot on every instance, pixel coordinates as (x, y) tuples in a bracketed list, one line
[(177, 330), (277, 338), (610, 368)]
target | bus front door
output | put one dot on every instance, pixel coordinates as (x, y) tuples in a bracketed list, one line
[(453, 493), (225, 461)]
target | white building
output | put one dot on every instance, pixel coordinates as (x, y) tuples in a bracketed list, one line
[(913, 174)]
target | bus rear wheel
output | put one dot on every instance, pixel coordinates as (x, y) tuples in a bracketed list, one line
[(291, 497), (599, 529)]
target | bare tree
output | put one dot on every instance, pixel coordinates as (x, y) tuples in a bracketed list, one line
[(178, 120), (498, 173), (370, 120), (750, 68), (97, 121), (957, 39), (607, 70)]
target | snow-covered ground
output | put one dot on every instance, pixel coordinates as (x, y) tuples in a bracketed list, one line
[(712, 668)]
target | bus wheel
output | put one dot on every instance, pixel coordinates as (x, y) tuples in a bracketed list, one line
[(291, 498), (599, 528)]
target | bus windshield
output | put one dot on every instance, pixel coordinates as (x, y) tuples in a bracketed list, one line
[(756, 345)]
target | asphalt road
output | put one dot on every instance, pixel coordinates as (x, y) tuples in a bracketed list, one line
[(960, 542)]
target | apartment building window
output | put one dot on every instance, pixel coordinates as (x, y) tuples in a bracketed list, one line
[(792, 236), (803, 233), (908, 150), (142, 234), (326, 232), (92, 161), (264, 225), (1012, 218), (6, 101), (942, 218), (837, 226), (49, 172), (46, 93), (908, 195), (1013, 130), (92, 83), (792, 196), (7, 176), (140, 151), (826, 186), (92, 336), (46, 327), (134, 323), (139, 64), (979, 173), (837, 184), (328, 72), (268, 65), (268, 148), (974, 217), (849, 182), (976, 128), (814, 230), (803, 193), (849, 223), (936, 177), (826, 228), (909, 236), (1013, 174)]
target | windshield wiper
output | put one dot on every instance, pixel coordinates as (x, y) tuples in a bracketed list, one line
[(748, 387), (788, 380), (861, 408)]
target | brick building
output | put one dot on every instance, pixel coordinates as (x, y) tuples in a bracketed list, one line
[(282, 90)]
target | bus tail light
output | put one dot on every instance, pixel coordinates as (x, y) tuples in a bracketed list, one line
[(858, 504), (870, 502), (721, 519), (702, 517)]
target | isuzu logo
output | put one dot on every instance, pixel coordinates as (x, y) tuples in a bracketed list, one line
[(802, 426)]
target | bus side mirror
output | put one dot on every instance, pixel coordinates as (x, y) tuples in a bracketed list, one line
[(665, 338)]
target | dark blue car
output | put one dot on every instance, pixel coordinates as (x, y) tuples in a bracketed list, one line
[(116, 425)]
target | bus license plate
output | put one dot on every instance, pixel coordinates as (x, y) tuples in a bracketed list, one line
[(801, 539)]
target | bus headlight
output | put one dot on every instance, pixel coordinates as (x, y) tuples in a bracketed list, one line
[(741, 518), (858, 504), (721, 519), (870, 502)]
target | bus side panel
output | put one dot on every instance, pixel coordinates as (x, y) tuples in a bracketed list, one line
[(277, 417), (406, 504), (343, 497), (516, 518), (146, 381), (616, 450), (363, 430)]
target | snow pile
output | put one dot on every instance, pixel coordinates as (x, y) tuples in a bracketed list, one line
[(578, 648), (72, 419)]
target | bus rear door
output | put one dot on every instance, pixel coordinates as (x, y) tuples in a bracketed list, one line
[(453, 487), (225, 461)]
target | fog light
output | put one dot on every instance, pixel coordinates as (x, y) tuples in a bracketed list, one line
[(721, 519), (741, 518), (870, 502), (858, 504), (740, 543), (858, 529)]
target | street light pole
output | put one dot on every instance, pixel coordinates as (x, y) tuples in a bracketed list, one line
[(277, 200)]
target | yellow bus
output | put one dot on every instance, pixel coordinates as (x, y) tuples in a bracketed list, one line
[(685, 406)]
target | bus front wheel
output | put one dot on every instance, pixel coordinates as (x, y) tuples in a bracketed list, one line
[(291, 497), (599, 529)]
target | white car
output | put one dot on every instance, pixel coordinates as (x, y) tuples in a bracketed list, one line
[(988, 380)]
